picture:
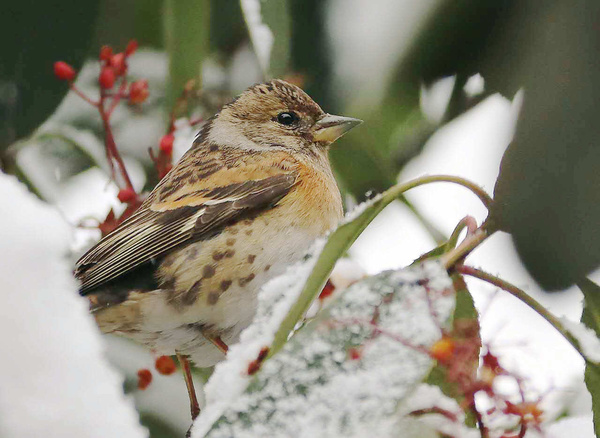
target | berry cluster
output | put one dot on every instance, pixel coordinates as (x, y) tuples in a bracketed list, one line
[(165, 365), (113, 75), (114, 88)]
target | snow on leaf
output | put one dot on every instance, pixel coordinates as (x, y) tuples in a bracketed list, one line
[(260, 34), (314, 387), (55, 380), (230, 377), (587, 339)]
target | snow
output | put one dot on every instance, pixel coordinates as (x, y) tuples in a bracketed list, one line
[(311, 388), (580, 426), (427, 397), (55, 381), (230, 377), (184, 138), (475, 85), (346, 272), (434, 98), (261, 36), (588, 341)]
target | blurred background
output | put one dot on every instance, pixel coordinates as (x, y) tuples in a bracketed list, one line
[(444, 86)]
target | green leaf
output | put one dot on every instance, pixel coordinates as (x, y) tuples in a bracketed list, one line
[(547, 191), (187, 31), (465, 327), (268, 23), (33, 41), (591, 318), (591, 304), (338, 376)]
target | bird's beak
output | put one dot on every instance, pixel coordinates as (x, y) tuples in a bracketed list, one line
[(329, 128)]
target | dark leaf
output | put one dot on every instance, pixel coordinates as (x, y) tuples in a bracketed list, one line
[(547, 191), (35, 35)]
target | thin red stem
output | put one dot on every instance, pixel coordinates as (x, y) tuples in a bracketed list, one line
[(435, 410), (117, 97), (78, 92), (384, 332), (109, 142), (483, 430)]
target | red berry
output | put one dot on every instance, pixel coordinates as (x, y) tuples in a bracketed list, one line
[(355, 353), (166, 143), (131, 47), (107, 77), (144, 378), (253, 367), (164, 170), (126, 195), (165, 365), (118, 63), (106, 53), (262, 355), (327, 291), (64, 71), (138, 91)]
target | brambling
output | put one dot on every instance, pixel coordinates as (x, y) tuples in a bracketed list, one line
[(253, 192)]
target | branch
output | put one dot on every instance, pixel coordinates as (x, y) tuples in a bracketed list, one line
[(522, 295)]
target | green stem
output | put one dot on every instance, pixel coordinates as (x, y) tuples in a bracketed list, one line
[(347, 233), (521, 295), (464, 249)]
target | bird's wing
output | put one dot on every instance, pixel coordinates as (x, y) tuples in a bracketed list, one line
[(176, 213)]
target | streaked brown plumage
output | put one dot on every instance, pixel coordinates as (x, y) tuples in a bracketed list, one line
[(245, 201)]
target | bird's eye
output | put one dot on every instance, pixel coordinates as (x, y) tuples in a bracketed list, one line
[(287, 118)]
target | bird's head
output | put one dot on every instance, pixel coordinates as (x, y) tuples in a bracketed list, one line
[(276, 115)]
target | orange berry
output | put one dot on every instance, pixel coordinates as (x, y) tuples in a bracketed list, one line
[(107, 78), (144, 378), (443, 349), (138, 91), (64, 71), (166, 143), (126, 195), (165, 365)]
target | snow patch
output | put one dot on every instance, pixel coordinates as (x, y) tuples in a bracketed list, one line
[(588, 341), (56, 381)]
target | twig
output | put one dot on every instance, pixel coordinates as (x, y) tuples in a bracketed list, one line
[(483, 430), (464, 249), (78, 92), (522, 295)]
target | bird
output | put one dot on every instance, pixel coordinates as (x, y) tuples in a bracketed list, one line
[(182, 274)]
